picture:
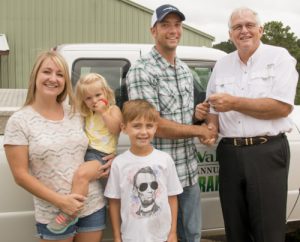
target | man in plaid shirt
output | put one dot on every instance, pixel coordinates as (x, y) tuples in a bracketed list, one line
[(166, 82)]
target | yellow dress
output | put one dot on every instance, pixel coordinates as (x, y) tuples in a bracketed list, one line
[(98, 134)]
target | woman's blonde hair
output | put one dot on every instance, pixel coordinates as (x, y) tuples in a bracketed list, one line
[(89, 82), (62, 65)]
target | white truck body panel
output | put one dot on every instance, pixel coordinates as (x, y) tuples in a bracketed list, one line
[(16, 206)]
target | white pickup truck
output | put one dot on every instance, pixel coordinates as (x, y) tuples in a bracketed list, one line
[(113, 61)]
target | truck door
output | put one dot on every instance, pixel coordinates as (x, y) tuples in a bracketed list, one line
[(207, 163)]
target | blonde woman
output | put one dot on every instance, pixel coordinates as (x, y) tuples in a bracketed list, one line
[(45, 144)]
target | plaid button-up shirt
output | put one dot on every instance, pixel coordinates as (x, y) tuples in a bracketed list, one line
[(170, 89)]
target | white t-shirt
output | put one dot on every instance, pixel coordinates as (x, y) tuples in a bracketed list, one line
[(150, 178), (270, 73), (56, 149)]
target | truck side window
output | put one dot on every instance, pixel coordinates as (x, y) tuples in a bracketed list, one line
[(113, 70), (201, 71), (201, 76)]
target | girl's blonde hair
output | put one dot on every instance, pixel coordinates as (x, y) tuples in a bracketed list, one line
[(89, 82), (62, 65)]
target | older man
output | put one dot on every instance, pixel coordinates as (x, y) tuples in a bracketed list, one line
[(251, 92)]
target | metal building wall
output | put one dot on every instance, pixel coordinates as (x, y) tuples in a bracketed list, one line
[(35, 25)]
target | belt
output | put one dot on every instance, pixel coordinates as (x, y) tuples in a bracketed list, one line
[(248, 141)]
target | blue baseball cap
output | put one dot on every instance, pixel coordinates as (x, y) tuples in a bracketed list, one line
[(161, 12)]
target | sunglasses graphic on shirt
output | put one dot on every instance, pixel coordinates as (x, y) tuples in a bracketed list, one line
[(144, 186)]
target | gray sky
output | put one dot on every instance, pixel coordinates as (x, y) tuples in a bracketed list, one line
[(211, 16)]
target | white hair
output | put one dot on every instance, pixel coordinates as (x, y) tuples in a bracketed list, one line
[(240, 11)]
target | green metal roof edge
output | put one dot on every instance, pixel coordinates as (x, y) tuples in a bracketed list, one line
[(150, 11)]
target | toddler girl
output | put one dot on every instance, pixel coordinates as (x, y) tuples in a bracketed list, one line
[(96, 104)]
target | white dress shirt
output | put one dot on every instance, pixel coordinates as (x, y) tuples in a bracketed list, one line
[(270, 73)]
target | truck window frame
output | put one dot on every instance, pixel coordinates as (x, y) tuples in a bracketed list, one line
[(84, 66)]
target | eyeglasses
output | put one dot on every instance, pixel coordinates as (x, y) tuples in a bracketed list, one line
[(248, 26), (144, 186)]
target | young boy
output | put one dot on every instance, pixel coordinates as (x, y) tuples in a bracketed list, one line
[(143, 182)]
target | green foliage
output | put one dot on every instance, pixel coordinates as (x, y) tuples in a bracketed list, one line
[(227, 46), (275, 34)]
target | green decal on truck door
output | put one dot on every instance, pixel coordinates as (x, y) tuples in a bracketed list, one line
[(208, 168)]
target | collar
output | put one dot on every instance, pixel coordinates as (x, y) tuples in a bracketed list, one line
[(253, 58), (161, 60)]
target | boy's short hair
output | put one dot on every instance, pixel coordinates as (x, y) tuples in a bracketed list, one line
[(139, 108)]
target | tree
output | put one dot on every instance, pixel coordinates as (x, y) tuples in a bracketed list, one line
[(275, 34), (227, 46)]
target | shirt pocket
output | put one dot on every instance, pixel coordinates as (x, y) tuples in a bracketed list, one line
[(260, 82), (226, 85), (171, 100), (188, 96)]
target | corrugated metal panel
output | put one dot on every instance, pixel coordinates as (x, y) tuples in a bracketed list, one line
[(10, 101), (35, 25), (12, 98), (193, 39)]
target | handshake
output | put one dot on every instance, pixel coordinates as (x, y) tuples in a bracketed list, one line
[(209, 132)]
